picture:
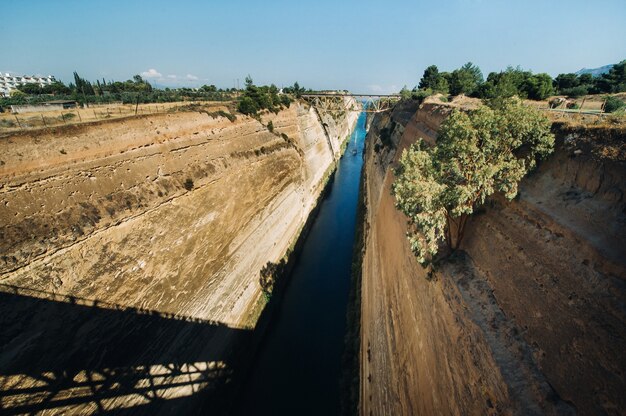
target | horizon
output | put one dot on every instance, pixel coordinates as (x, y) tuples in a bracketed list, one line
[(192, 43)]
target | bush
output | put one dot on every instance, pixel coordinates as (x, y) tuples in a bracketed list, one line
[(420, 95), (229, 116), (613, 104), (575, 92), (247, 106), (270, 127), (285, 100), (188, 184), (269, 275)]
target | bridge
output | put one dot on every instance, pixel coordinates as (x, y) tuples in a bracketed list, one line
[(335, 103)]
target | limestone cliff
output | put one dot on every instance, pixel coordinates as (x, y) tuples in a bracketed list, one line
[(130, 251), (528, 318)]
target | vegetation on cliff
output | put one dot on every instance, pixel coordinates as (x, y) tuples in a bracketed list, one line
[(477, 153), (260, 98)]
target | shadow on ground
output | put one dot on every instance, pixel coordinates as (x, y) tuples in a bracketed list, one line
[(67, 355)]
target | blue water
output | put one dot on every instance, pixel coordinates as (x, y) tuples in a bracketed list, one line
[(298, 366)]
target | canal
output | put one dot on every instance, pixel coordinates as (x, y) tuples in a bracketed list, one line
[(298, 366)]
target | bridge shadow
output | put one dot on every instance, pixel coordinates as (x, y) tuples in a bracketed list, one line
[(74, 356)]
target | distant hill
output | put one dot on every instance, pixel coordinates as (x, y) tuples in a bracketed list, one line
[(596, 72)]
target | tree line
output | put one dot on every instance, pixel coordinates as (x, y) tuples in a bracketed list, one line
[(135, 90), (257, 98), (469, 80)]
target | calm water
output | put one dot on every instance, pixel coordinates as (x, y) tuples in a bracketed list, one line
[(299, 363)]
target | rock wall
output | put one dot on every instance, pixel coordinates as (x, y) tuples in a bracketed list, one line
[(528, 318), (130, 251)]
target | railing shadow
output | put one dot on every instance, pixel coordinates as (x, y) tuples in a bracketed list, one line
[(67, 355)]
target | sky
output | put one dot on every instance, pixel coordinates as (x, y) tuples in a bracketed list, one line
[(363, 46)]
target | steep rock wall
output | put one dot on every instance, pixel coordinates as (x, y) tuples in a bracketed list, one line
[(527, 319), (130, 251)]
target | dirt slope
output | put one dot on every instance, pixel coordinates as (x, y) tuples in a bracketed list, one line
[(528, 318), (130, 251)]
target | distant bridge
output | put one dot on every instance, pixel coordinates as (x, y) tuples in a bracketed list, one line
[(334, 102)]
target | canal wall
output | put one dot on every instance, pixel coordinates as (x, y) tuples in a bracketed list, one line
[(131, 251), (528, 317)]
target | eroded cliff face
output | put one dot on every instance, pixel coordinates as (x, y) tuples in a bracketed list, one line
[(131, 250), (528, 317)]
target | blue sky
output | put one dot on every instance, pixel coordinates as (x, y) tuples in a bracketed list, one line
[(363, 46)]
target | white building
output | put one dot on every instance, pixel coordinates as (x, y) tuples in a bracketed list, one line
[(10, 82)]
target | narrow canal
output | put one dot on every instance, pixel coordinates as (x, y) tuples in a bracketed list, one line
[(298, 366)]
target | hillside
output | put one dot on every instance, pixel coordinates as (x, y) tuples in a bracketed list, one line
[(527, 318), (596, 72), (131, 252)]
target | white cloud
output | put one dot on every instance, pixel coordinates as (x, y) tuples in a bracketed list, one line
[(151, 73), (171, 80), (375, 88)]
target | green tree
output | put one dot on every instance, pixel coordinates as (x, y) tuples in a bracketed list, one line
[(433, 80), (585, 79), (249, 82), (209, 88), (500, 85), (539, 87), (83, 86), (465, 80), (297, 90), (30, 89), (616, 77), (477, 153), (56, 87), (565, 81), (247, 106)]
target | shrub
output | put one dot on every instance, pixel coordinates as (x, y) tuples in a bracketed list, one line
[(270, 273), (613, 104), (575, 92), (229, 116), (420, 95), (188, 184), (285, 100), (247, 106), (270, 127)]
